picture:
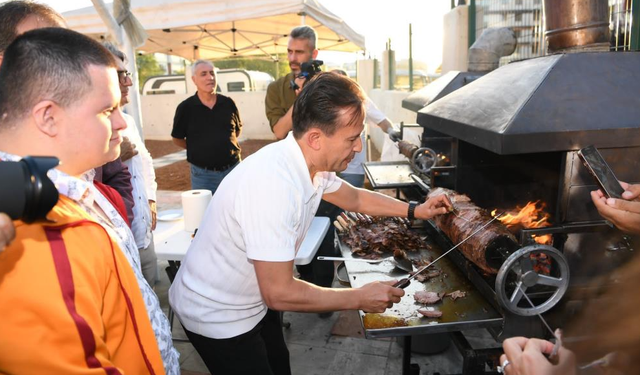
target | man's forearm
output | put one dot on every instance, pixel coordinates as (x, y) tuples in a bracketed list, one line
[(180, 142), (284, 125), (284, 293), (385, 125), (368, 202), (306, 297), (376, 204)]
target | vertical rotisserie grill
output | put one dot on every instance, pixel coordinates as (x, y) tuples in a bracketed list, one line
[(511, 138)]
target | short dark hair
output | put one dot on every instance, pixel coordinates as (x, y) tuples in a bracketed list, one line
[(321, 100), (47, 64), (14, 12), (305, 32), (340, 71)]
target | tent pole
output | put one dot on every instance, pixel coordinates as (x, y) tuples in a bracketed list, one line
[(114, 29), (134, 108), (410, 60), (233, 33), (117, 31)]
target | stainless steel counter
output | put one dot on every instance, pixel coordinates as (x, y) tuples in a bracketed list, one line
[(470, 312)]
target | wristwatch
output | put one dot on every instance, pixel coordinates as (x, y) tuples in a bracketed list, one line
[(412, 209)]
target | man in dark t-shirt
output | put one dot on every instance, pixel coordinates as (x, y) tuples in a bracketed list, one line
[(208, 126)]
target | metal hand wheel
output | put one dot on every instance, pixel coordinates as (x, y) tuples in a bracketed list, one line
[(424, 159), (544, 285)]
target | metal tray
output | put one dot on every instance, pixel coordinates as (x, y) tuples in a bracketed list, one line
[(470, 312), (389, 174)]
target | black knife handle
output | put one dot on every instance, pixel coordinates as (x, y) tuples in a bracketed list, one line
[(402, 283)]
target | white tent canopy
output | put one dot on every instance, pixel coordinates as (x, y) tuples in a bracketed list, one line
[(214, 29)]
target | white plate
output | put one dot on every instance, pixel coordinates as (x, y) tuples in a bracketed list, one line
[(170, 215)]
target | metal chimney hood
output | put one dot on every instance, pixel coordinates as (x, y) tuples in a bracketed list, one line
[(442, 86), (559, 102)]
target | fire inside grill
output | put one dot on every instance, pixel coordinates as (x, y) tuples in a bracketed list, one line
[(532, 215)]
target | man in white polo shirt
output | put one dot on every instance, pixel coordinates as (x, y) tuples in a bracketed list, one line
[(238, 271)]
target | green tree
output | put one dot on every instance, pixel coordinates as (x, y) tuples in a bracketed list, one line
[(147, 67), (278, 69)]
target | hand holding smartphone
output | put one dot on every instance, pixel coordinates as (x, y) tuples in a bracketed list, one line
[(600, 170)]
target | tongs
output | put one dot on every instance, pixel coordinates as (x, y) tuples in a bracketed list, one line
[(406, 281)]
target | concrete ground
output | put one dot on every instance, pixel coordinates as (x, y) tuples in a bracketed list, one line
[(315, 350)]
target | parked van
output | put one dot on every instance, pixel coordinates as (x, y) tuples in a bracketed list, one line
[(229, 80)]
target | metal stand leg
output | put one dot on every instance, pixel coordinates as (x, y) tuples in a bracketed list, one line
[(474, 360), (406, 356), (171, 271), (283, 324)]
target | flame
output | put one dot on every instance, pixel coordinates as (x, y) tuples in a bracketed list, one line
[(530, 216)]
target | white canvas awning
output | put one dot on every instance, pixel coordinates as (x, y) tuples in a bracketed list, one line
[(214, 29)]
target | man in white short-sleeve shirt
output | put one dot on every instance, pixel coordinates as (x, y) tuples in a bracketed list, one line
[(238, 271)]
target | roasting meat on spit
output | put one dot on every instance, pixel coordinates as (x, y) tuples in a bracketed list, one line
[(487, 248)]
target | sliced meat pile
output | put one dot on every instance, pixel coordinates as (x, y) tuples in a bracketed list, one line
[(427, 298), (430, 313), (372, 238), (428, 275), (455, 295), (485, 248)]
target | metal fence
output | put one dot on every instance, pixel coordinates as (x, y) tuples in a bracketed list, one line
[(620, 17), (526, 18)]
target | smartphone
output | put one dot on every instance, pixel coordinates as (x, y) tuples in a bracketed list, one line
[(599, 169)]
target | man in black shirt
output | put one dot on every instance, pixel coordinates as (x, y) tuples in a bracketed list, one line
[(208, 126)]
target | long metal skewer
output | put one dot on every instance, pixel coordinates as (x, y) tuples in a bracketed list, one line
[(406, 281), (556, 334)]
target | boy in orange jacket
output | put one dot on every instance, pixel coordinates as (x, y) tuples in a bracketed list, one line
[(72, 303)]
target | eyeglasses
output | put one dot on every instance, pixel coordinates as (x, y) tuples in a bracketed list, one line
[(123, 75)]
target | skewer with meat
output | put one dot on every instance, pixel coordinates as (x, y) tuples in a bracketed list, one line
[(487, 248)]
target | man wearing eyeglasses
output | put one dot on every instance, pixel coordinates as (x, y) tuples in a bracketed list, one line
[(143, 179), (19, 17), (208, 125), (125, 82)]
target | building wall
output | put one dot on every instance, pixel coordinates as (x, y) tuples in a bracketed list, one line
[(390, 103), (455, 47), (158, 112)]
